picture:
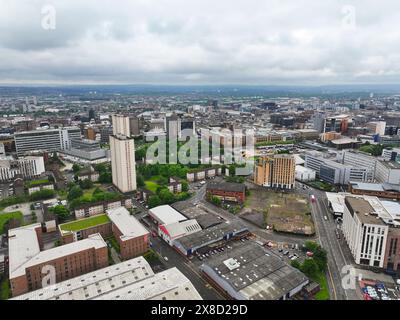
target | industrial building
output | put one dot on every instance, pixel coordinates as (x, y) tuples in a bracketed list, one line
[(227, 191), (251, 272), (189, 244), (129, 280)]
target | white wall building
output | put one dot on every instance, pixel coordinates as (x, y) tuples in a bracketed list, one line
[(305, 174), (364, 231)]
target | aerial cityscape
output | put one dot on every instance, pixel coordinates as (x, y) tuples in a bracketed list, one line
[(178, 180)]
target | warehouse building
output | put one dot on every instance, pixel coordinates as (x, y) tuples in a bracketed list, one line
[(187, 245), (129, 280), (250, 272)]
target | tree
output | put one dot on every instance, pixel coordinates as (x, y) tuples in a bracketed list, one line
[(140, 181), (295, 264), (166, 196), (185, 186), (41, 195), (320, 257), (61, 211), (216, 201), (86, 184), (74, 193), (76, 168), (309, 268), (311, 246), (154, 201)]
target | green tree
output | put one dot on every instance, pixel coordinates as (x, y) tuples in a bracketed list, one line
[(216, 201), (74, 193), (41, 195), (185, 186), (76, 168), (311, 246), (166, 196), (295, 264), (154, 201), (60, 211), (320, 257), (309, 268), (86, 184), (140, 181)]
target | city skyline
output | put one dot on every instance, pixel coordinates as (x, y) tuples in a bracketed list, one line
[(269, 43)]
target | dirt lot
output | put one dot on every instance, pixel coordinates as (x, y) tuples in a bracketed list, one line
[(285, 212)]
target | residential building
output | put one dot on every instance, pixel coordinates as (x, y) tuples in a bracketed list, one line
[(28, 265), (122, 147), (275, 171), (91, 209), (131, 235), (29, 167)]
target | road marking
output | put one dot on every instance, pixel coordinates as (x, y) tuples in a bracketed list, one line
[(332, 283)]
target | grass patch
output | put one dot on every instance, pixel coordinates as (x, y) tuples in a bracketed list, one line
[(33, 183), (151, 186), (322, 185), (5, 292), (85, 223), (323, 294), (5, 217), (151, 256)]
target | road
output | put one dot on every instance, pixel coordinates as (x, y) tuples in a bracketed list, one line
[(338, 256)]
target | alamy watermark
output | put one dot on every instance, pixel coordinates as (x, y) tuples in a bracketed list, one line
[(49, 15)]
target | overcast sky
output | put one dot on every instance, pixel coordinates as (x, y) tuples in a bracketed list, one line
[(272, 42)]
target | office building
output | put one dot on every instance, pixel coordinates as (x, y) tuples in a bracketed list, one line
[(27, 261), (275, 171), (129, 280), (122, 147), (305, 174), (364, 231), (377, 127), (46, 140)]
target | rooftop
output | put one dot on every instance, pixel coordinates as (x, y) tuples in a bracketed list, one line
[(85, 223), (128, 225), (226, 186), (363, 209), (165, 214), (210, 235), (24, 250), (132, 279), (254, 272)]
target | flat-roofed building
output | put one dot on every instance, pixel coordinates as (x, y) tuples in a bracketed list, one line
[(165, 214), (47, 140), (364, 231), (29, 265), (251, 272), (129, 280), (131, 235), (227, 191), (275, 171)]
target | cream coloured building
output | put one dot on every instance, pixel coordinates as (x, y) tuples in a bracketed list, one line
[(122, 147)]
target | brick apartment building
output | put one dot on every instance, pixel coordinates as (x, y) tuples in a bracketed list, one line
[(227, 191), (131, 235), (28, 265), (91, 209), (75, 231)]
